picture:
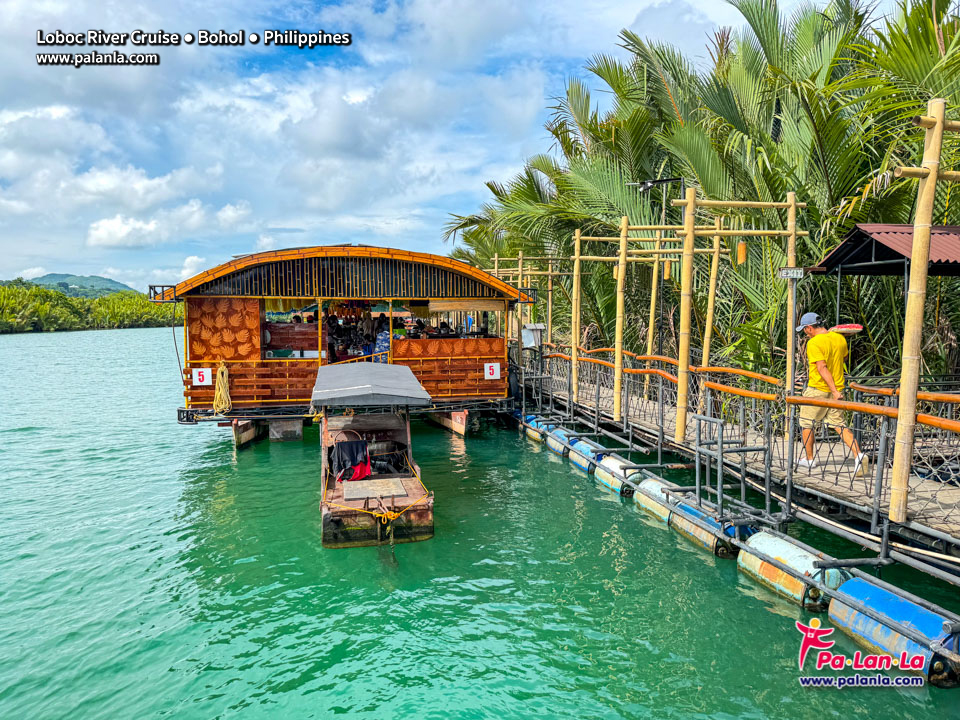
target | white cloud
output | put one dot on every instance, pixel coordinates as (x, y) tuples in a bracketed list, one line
[(209, 152), (120, 231), (265, 242), (232, 215), (166, 225), (32, 272), (132, 189), (191, 266)]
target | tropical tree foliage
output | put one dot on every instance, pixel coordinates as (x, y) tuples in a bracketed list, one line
[(31, 308), (816, 102)]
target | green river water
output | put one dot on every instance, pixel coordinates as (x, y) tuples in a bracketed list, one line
[(147, 570)]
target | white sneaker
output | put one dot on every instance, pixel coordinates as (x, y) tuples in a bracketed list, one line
[(861, 465), (805, 463)]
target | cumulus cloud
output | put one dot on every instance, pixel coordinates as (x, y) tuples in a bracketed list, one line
[(32, 272), (165, 225), (191, 266), (265, 242), (120, 231), (230, 216), (216, 149)]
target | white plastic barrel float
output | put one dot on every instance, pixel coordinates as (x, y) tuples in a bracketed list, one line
[(586, 454), (650, 497), (795, 557), (880, 638), (535, 427), (558, 438), (609, 471)]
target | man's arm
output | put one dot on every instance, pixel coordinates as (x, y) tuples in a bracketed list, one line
[(828, 379)]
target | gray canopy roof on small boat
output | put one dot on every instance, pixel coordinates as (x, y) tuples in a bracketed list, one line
[(365, 384)]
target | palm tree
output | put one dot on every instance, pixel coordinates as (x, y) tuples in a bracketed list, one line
[(815, 102)]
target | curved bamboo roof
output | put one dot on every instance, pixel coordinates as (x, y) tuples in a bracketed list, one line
[(208, 281)]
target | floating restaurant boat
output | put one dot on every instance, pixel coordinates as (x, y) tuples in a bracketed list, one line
[(258, 327), (372, 489)]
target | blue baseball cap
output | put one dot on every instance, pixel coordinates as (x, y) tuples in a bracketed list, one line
[(808, 319)]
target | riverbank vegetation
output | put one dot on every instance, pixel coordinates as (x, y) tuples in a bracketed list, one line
[(31, 308), (816, 102)]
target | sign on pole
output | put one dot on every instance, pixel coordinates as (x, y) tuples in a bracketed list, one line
[(791, 273)]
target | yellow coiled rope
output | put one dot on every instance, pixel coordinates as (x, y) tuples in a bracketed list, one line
[(221, 394)]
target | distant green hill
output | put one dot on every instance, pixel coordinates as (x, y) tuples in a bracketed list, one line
[(81, 285)]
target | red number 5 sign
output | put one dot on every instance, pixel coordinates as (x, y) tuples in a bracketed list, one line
[(202, 376), (491, 371)]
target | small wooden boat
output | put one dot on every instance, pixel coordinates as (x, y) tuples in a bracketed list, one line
[(365, 434)]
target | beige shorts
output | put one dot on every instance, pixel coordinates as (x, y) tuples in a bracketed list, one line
[(811, 414)]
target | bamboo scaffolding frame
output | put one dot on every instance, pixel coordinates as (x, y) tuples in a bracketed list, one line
[(792, 206), (686, 304), (678, 251), (575, 316), (550, 302), (654, 290), (618, 335), (519, 305), (935, 124), (711, 296)]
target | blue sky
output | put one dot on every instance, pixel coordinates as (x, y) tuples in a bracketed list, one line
[(151, 174)]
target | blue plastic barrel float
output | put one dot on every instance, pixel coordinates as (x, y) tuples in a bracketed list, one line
[(587, 454), (680, 516), (715, 537), (609, 471), (558, 438), (798, 559), (880, 638), (535, 426)]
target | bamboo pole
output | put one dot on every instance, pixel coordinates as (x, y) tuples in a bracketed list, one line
[(618, 337), (496, 272), (751, 233), (616, 258), (791, 290), (550, 302), (519, 304), (676, 251), (575, 316), (686, 298), (756, 204), (711, 297), (913, 323), (654, 283)]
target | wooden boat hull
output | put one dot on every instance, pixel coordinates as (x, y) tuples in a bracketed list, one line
[(344, 528)]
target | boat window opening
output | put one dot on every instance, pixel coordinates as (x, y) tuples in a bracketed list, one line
[(290, 329), (359, 330)]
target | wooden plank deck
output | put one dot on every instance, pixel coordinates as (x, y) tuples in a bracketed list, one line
[(930, 503)]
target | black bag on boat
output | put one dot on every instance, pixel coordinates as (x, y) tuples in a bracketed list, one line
[(350, 460)]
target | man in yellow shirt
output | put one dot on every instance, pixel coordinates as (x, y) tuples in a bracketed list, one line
[(826, 353)]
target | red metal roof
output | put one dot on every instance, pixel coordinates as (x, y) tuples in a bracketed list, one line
[(944, 240), (874, 248)]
